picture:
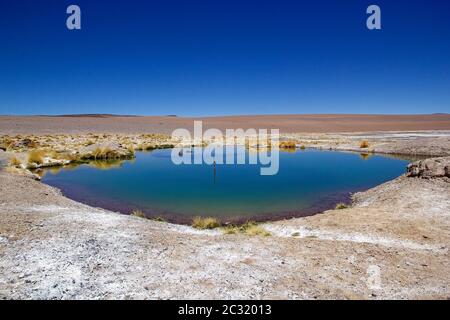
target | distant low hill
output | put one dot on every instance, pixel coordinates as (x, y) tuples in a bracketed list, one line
[(90, 115), (98, 115)]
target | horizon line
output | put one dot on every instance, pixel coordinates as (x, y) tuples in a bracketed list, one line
[(110, 115)]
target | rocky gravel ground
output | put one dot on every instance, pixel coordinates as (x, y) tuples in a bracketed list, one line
[(410, 144)]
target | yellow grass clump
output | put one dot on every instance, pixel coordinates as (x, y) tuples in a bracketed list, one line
[(138, 213), (249, 228), (106, 152), (70, 156), (287, 145), (89, 143), (102, 153), (14, 162), (256, 230), (205, 223), (97, 152), (36, 156), (55, 155), (364, 144), (5, 143)]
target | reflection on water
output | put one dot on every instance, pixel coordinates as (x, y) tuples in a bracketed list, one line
[(97, 164), (365, 156), (108, 164)]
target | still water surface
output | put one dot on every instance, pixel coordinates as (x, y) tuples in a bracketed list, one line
[(308, 181)]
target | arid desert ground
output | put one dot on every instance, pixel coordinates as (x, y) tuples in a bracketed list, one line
[(166, 124), (392, 242)]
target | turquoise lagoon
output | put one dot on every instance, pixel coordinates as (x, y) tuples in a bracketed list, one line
[(308, 182)]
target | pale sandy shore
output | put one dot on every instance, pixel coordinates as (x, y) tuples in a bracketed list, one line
[(286, 123)]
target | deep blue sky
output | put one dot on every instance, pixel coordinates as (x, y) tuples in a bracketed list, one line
[(217, 57)]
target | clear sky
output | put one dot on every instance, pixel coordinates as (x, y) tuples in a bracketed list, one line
[(216, 57)]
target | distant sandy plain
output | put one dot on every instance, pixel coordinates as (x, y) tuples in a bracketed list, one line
[(311, 123)]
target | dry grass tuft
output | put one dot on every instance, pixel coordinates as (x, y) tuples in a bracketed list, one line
[(256, 230), (205, 223), (55, 155), (364, 144), (14, 162), (106, 152), (5, 143), (138, 213), (340, 206), (89, 143), (70, 156), (103, 153), (230, 229), (287, 145), (249, 228), (36, 156)]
